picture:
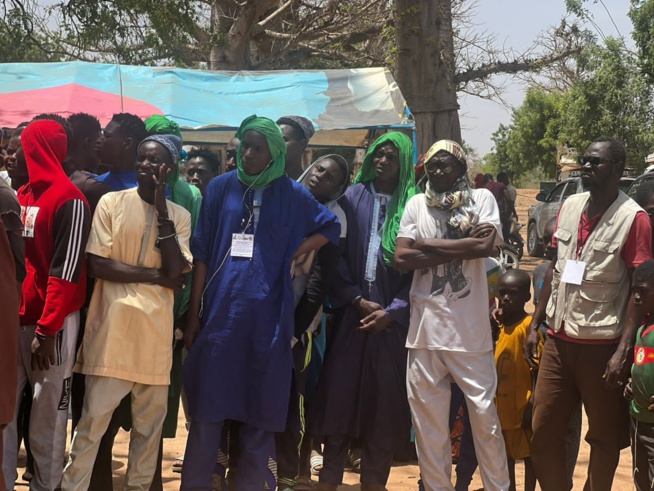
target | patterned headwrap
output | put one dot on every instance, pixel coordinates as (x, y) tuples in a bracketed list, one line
[(171, 143), (458, 199), (305, 125), (406, 188), (449, 146), (276, 145)]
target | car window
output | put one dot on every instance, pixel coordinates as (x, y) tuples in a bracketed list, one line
[(556, 193), (570, 189)]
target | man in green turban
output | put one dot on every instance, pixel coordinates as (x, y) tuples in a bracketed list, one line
[(253, 224)]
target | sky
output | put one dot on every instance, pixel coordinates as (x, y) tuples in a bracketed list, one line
[(516, 24)]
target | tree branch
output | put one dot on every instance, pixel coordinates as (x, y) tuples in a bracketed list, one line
[(488, 69), (260, 27)]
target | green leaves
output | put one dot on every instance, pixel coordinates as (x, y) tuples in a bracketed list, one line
[(642, 17)]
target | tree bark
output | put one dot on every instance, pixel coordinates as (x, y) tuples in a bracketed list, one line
[(425, 68), (234, 52)]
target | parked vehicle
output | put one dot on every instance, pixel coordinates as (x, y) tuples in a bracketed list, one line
[(548, 208)]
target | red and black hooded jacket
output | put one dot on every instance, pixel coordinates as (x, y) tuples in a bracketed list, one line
[(56, 223)]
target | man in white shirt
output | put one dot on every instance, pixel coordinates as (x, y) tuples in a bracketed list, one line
[(445, 236)]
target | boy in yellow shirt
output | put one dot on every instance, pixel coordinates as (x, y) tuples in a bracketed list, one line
[(514, 378)]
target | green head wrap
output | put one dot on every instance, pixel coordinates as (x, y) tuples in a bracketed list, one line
[(276, 145), (161, 125), (406, 187)]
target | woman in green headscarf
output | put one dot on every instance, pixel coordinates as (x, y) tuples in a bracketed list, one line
[(362, 390)]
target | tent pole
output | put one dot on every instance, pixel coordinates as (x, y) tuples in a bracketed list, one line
[(414, 133), (120, 85)]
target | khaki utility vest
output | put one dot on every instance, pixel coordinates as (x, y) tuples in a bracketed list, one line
[(595, 309)]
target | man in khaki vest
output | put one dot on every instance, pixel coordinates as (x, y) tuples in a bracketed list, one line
[(600, 238)]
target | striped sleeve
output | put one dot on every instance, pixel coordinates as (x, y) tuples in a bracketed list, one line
[(71, 230), (71, 226)]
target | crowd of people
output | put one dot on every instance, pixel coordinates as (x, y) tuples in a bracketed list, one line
[(311, 319)]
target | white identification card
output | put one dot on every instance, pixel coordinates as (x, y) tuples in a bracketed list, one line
[(242, 245), (28, 216), (573, 272)]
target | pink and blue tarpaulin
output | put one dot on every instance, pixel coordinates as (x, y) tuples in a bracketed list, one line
[(344, 105)]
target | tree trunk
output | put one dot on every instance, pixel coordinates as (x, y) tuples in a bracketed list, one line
[(233, 53), (425, 68)]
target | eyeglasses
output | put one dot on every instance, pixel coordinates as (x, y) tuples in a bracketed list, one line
[(594, 161), (434, 165)]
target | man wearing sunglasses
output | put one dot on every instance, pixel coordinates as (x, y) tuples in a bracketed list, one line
[(601, 236)]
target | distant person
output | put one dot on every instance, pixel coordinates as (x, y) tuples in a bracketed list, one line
[(16, 171), (500, 194), (117, 150), (201, 167), (297, 132), (480, 181), (82, 154), (511, 194), (82, 160), (232, 150)]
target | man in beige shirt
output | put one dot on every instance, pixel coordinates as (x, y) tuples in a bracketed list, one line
[(138, 251)]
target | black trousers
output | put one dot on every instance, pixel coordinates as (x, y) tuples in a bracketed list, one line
[(289, 443), (642, 453), (375, 462)]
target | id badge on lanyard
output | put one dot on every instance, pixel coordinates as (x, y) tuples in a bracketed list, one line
[(573, 273), (243, 245)]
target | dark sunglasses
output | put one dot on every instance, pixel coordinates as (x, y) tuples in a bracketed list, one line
[(594, 161), (444, 167)]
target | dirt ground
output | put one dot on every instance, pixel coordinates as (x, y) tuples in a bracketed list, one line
[(404, 477)]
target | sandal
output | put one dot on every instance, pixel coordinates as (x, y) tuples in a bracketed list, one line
[(177, 465), (315, 461)]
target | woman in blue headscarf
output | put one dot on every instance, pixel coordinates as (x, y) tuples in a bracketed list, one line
[(253, 224)]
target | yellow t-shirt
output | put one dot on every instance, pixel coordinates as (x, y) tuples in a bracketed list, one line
[(514, 379), (129, 328)]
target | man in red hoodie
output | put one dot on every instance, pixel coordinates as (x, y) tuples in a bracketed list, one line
[(56, 223)]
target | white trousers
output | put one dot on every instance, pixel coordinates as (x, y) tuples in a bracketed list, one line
[(429, 375), (49, 415), (102, 397)]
